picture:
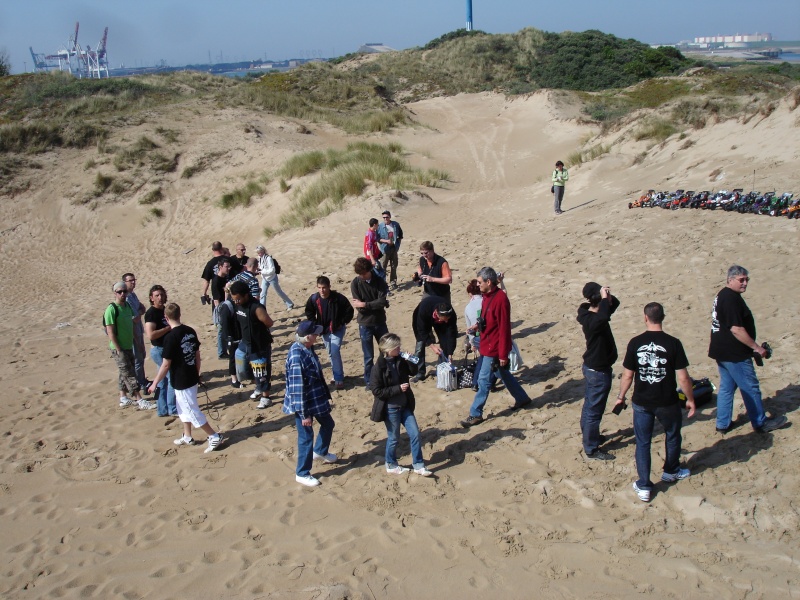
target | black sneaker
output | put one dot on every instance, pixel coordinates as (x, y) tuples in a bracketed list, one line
[(600, 455), (470, 421), (773, 424), (724, 430), (522, 404), (417, 378)]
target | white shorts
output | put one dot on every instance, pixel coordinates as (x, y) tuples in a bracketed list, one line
[(188, 410)]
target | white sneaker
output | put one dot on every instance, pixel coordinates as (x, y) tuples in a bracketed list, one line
[(308, 480), (255, 395), (644, 495), (423, 472), (398, 470), (329, 458), (182, 441), (265, 403), (213, 443), (125, 402), (670, 477), (146, 405)]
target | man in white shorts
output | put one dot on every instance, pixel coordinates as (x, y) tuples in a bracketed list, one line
[(181, 357)]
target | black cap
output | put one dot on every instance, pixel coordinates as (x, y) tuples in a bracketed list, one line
[(591, 289)]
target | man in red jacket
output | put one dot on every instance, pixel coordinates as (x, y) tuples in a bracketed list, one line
[(494, 323)]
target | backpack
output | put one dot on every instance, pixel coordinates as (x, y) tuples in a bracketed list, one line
[(116, 316), (277, 266)]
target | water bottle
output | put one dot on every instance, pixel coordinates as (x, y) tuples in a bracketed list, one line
[(410, 357)]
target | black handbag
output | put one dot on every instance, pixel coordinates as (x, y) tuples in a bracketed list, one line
[(465, 374)]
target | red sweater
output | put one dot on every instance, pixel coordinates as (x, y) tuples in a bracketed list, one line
[(496, 338)]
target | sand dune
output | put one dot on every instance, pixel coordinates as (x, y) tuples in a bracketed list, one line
[(97, 501)]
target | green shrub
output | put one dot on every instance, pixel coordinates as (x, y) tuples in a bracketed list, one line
[(164, 164), (102, 183), (156, 212), (241, 196), (153, 196), (654, 128), (203, 163), (170, 135), (284, 186)]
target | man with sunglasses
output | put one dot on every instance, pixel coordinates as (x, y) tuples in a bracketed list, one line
[(118, 321), (733, 345)]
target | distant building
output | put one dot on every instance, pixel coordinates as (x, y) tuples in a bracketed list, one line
[(374, 49), (738, 38)]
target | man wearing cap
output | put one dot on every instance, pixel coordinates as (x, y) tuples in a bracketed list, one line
[(601, 353), (333, 312), (269, 277), (368, 296), (494, 325), (433, 315), (138, 330), (308, 398), (256, 344), (118, 321), (390, 235)]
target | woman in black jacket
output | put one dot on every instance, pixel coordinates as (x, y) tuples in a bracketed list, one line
[(394, 403)]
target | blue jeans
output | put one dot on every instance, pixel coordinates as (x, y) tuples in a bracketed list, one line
[(742, 375), (165, 400), (305, 439), (367, 333), (396, 416), (243, 370), (139, 354), (222, 348), (274, 283), (598, 385), (484, 376), (670, 418), (333, 344)]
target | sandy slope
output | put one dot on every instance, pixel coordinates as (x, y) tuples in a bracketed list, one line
[(97, 502)]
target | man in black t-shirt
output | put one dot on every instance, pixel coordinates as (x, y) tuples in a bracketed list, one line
[(157, 327), (210, 269), (218, 297), (657, 361), (601, 353), (733, 345), (181, 358), (256, 344)]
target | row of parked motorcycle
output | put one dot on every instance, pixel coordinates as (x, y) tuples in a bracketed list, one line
[(769, 203)]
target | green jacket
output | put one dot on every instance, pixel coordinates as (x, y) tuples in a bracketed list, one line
[(559, 177)]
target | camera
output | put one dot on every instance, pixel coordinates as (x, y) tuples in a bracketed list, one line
[(618, 408), (415, 277), (757, 356), (481, 323)]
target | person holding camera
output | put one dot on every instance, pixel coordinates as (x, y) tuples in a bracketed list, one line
[(433, 272), (658, 363), (601, 354), (494, 325), (560, 176), (209, 271), (733, 345)]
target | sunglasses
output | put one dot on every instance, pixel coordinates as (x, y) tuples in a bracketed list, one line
[(121, 292)]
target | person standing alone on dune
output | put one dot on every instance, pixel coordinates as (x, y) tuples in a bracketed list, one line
[(560, 177)]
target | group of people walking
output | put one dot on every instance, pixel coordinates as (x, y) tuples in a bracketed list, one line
[(654, 364)]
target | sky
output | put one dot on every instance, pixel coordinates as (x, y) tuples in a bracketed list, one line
[(145, 32)]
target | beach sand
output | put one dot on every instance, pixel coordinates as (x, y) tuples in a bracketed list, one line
[(96, 502)]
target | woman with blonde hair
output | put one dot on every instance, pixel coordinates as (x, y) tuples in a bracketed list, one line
[(395, 403)]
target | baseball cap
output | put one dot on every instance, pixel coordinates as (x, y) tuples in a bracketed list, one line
[(120, 285), (308, 328)]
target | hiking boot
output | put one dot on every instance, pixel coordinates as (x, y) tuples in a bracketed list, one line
[(670, 477), (600, 455), (470, 421), (644, 495), (773, 424), (213, 443), (329, 458)]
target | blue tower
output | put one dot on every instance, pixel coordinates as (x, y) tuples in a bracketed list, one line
[(469, 15)]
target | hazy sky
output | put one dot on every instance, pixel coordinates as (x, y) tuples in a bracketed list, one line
[(143, 32)]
